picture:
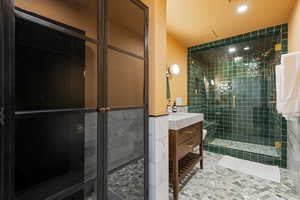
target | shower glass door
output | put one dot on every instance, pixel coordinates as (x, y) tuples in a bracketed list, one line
[(126, 102)]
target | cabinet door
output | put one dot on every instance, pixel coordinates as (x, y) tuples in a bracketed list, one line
[(126, 99)]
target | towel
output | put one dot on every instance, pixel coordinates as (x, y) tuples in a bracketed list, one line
[(288, 88), (278, 88)]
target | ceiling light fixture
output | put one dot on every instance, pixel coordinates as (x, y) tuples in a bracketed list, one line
[(242, 8), (232, 50)]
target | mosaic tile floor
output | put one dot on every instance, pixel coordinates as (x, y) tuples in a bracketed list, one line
[(127, 183), (243, 146), (218, 183)]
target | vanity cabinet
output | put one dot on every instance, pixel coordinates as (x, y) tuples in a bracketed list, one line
[(182, 157)]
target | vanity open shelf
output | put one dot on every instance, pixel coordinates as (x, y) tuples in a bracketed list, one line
[(184, 136), (186, 164)]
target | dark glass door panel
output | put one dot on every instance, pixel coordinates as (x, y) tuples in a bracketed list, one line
[(53, 152), (49, 68), (125, 80), (76, 14), (55, 108), (90, 148), (89, 192), (126, 154), (127, 182), (126, 100), (125, 137), (49, 154), (126, 26), (76, 196)]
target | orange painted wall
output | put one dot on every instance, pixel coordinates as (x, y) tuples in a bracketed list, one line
[(294, 28), (177, 54), (157, 56)]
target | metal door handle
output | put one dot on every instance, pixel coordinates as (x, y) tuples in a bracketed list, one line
[(188, 132), (107, 109)]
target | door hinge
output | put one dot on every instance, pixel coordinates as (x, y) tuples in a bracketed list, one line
[(2, 117)]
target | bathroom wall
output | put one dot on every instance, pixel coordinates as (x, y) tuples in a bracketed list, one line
[(239, 95), (294, 28), (177, 54), (158, 121)]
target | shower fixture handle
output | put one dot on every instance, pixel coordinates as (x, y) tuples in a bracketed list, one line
[(234, 101)]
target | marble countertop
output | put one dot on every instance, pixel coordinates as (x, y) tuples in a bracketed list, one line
[(180, 120)]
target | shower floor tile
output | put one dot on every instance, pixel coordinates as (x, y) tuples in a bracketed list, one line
[(243, 146)]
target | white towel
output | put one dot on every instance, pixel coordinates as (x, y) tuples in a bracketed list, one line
[(278, 88), (288, 90)]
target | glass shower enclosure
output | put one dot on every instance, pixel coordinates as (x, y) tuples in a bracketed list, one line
[(233, 83)]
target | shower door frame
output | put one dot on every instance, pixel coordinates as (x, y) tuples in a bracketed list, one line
[(2, 137), (6, 61)]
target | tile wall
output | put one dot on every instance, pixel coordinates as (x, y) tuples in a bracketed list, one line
[(158, 158)]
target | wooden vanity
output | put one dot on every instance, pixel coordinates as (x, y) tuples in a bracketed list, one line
[(182, 157)]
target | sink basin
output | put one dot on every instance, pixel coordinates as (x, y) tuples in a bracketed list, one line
[(180, 120)]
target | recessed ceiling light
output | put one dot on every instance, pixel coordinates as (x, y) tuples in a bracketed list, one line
[(232, 50), (246, 48), (242, 8)]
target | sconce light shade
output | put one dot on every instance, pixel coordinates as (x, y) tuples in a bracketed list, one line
[(174, 69)]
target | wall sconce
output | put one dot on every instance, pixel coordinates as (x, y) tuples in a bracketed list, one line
[(173, 69)]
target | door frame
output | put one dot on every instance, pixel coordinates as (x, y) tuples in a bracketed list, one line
[(2, 151), (7, 63)]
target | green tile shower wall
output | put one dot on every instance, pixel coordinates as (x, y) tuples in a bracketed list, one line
[(260, 126)]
